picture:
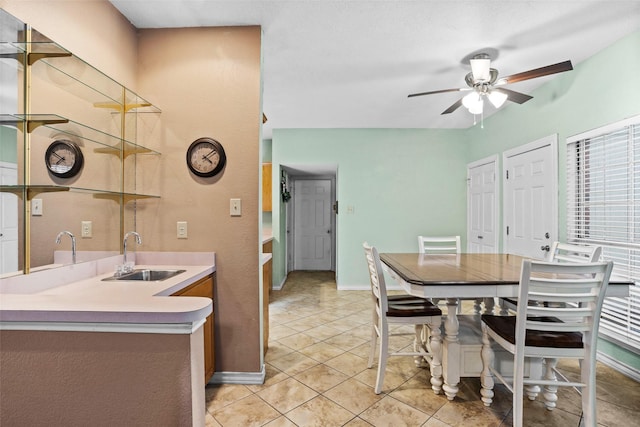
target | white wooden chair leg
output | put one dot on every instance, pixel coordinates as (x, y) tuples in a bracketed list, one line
[(550, 392), (486, 377), (419, 344), (588, 377), (372, 351), (382, 361)]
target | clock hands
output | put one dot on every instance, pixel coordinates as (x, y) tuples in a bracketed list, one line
[(61, 159), (207, 156)]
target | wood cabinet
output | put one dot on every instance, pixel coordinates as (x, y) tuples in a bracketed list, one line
[(204, 288), (266, 289), (266, 187)]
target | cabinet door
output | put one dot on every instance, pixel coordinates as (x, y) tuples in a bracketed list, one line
[(266, 187), (204, 288)]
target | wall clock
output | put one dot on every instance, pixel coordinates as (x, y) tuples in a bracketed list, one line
[(206, 157), (64, 158)]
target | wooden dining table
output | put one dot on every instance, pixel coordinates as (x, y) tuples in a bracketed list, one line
[(479, 276)]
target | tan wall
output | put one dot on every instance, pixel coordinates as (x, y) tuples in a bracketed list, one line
[(207, 83), (93, 30)]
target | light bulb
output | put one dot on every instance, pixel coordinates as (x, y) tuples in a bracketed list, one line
[(477, 108), (497, 98), (471, 100)]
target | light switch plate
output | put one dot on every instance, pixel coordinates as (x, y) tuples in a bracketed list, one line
[(182, 230), (36, 207), (235, 207)]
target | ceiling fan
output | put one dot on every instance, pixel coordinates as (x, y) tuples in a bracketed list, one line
[(483, 81)]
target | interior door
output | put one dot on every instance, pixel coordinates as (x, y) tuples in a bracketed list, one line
[(482, 199), (530, 198), (8, 220), (312, 224)]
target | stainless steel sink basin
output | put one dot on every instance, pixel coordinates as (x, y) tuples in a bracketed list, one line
[(146, 275)]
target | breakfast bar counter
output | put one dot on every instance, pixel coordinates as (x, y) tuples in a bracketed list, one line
[(78, 348)]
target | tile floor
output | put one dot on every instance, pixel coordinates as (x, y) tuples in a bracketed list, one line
[(316, 375)]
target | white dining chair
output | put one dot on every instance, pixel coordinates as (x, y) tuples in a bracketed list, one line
[(444, 245), (421, 314), (549, 331), (439, 244), (561, 253)]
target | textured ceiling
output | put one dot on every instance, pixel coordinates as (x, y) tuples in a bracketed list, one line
[(352, 63)]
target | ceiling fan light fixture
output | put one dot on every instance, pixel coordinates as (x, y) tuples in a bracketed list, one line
[(480, 68), (497, 98), (472, 100), (477, 108)]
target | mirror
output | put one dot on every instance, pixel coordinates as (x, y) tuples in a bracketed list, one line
[(68, 110)]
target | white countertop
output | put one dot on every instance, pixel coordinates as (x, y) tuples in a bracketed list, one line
[(84, 297)]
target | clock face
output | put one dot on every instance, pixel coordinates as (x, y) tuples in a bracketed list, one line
[(63, 159), (206, 157)]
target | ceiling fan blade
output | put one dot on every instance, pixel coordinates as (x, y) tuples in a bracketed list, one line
[(453, 108), (438, 91), (560, 67), (512, 95)]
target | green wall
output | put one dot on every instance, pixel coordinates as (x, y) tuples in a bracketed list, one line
[(400, 183), (8, 146)]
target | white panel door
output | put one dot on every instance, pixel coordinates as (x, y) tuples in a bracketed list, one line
[(312, 225), (530, 198), (8, 220), (482, 196)]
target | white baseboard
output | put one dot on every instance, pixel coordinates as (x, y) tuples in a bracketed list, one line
[(624, 369), (238, 377), (280, 286)]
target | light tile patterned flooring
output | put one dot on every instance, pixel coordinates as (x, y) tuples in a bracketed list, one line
[(316, 375)]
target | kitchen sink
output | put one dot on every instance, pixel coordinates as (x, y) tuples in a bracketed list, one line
[(146, 275)]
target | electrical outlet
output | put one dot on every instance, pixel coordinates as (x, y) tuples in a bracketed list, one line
[(182, 230), (36, 207), (235, 207), (87, 229)]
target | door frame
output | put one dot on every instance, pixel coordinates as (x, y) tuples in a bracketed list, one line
[(13, 166), (291, 218), (496, 201), (551, 140)]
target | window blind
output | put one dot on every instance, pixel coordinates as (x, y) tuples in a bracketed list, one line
[(603, 208)]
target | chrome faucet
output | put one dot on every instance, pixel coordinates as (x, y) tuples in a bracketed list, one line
[(124, 244), (73, 243)]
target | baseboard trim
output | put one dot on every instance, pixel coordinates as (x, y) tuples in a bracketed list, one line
[(238, 377), (624, 369), (281, 285)]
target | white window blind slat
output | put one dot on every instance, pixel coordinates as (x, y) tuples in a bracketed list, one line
[(603, 208)]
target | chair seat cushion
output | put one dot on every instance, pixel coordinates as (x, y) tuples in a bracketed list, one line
[(405, 299), (512, 301), (505, 326), (422, 307)]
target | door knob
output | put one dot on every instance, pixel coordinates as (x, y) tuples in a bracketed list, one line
[(545, 248)]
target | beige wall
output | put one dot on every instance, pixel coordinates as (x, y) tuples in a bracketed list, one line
[(97, 379), (207, 83)]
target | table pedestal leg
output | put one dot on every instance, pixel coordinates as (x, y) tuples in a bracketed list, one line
[(451, 350)]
